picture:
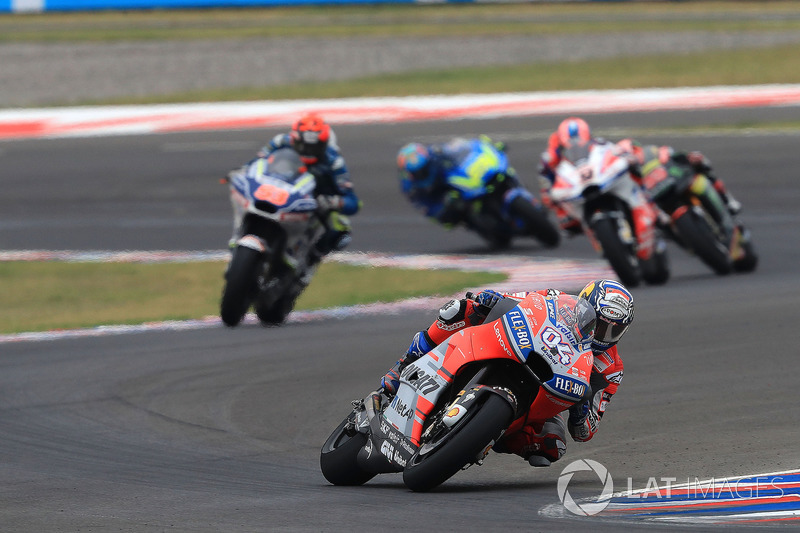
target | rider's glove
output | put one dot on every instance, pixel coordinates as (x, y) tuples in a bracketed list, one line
[(486, 300), (329, 202), (582, 422), (699, 162)]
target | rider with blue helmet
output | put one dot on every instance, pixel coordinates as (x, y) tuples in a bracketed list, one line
[(423, 171)]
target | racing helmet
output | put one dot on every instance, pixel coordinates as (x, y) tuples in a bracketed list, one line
[(309, 137), (573, 131), (613, 305), (412, 162)]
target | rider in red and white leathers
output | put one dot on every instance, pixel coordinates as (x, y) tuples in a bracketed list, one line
[(541, 441), (571, 131)]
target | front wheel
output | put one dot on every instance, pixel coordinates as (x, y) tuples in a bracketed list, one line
[(241, 284), (339, 457), (655, 270), (438, 460), (619, 254), (703, 241), (536, 221)]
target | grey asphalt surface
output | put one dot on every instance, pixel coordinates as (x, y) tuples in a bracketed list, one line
[(220, 430)]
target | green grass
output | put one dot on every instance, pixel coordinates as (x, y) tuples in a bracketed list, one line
[(39, 296)]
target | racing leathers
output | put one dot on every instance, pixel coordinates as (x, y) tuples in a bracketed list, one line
[(648, 158), (540, 441), (549, 161), (431, 193)]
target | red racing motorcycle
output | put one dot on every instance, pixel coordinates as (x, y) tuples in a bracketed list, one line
[(456, 401)]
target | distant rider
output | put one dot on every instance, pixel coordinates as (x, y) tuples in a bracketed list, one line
[(314, 140), (649, 157), (423, 171), (572, 132), (541, 441)]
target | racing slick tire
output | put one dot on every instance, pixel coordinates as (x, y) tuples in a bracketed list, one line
[(536, 220), (436, 461), (241, 285), (620, 255), (339, 456), (703, 241)]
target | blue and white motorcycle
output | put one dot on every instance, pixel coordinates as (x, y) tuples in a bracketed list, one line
[(278, 221)]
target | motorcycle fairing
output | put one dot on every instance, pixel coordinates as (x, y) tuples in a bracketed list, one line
[(509, 337), (387, 449), (475, 166), (270, 194)]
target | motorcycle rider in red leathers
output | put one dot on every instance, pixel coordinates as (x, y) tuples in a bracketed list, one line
[(571, 131), (541, 441)]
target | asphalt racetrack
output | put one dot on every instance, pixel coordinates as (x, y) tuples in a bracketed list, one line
[(220, 430)]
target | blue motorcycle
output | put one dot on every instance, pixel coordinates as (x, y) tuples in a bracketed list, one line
[(482, 192)]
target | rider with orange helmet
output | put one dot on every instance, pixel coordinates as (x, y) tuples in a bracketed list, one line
[(315, 141), (541, 441), (572, 133)]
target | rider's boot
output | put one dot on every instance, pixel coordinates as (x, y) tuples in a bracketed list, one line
[(541, 443)]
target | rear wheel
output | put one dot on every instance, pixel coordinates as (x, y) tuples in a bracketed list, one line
[(339, 457), (536, 220), (703, 241), (275, 314), (241, 284), (438, 460), (619, 254)]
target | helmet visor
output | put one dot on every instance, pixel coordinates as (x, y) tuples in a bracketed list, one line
[(585, 319), (609, 332)]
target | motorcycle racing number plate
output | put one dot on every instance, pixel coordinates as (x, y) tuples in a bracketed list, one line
[(272, 194)]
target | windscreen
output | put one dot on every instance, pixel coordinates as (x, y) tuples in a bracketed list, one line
[(285, 163)]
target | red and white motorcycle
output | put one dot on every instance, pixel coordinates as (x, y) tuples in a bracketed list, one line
[(593, 185)]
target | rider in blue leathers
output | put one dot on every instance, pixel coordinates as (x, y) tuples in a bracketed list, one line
[(423, 171), (314, 140)]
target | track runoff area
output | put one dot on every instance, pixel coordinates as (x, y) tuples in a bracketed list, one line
[(756, 499)]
